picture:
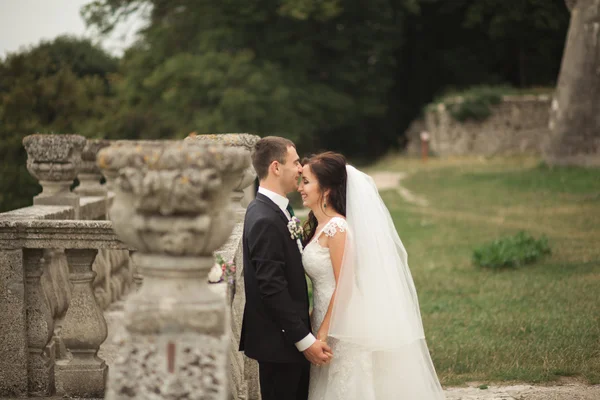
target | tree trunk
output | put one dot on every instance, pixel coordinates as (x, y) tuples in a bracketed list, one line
[(575, 114)]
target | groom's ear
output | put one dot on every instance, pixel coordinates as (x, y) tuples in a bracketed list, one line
[(275, 168)]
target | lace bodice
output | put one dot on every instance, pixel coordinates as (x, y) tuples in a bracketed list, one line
[(317, 264)]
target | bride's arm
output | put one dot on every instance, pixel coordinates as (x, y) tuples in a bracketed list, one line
[(336, 243)]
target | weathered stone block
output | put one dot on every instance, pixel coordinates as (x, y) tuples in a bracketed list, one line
[(81, 379), (13, 346)]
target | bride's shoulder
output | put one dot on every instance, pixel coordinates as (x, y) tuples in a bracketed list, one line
[(335, 224)]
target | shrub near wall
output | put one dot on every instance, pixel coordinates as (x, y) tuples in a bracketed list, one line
[(483, 121)]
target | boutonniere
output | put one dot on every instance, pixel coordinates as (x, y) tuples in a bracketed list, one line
[(296, 231)]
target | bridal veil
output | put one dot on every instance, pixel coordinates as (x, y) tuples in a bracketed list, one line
[(376, 307)]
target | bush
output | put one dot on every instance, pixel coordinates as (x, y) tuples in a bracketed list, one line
[(511, 251), (475, 102)]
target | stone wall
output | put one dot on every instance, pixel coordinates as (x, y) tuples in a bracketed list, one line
[(518, 125)]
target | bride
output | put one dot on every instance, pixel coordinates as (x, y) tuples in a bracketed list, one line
[(365, 303)]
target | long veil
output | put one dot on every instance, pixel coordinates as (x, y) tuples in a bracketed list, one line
[(376, 306)]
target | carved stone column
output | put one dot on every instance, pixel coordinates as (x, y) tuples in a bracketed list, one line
[(89, 175), (55, 161), (82, 373), (172, 204), (243, 371), (40, 327)]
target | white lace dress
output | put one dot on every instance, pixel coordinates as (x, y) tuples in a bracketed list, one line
[(349, 375)]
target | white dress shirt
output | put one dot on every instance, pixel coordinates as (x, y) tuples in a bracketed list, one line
[(282, 202)]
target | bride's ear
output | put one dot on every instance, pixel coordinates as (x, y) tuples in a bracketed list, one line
[(326, 196)]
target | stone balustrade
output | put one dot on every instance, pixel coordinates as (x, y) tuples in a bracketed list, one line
[(53, 324), (168, 200), (30, 272)]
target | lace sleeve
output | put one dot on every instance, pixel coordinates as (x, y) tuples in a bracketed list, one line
[(336, 224)]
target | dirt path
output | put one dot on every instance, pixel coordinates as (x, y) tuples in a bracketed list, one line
[(385, 180)]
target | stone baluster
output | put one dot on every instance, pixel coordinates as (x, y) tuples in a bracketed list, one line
[(171, 204), (138, 278), (89, 175), (57, 287), (55, 161), (40, 327), (83, 331)]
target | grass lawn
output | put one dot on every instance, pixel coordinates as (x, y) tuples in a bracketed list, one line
[(535, 323)]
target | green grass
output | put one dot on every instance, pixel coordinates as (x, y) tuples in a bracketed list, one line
[(533, 324)]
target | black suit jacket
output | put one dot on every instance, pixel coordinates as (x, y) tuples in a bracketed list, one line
[(276, 310)]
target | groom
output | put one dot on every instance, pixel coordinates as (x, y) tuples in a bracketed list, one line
[(276, 328)]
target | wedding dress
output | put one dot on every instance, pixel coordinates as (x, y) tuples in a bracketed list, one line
[(376, 334)]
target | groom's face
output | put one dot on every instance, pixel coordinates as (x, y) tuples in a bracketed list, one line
[(291, 170)]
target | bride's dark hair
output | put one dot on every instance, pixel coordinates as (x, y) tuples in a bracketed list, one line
[(330, 170)]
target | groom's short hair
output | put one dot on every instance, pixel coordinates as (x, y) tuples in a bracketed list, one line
[(267, 150)]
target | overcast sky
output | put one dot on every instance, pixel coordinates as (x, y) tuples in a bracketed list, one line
[(26, 22)]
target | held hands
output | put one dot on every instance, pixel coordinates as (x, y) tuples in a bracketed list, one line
[(318, 353)]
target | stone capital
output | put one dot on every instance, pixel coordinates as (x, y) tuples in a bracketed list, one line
[(171, 197), (242, 141)]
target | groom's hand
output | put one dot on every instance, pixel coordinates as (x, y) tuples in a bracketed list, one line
[(318, 353)]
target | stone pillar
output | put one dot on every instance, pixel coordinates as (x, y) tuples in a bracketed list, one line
[(82, 373), (172, 205), (243, 371), (55, 161), (40, 327), (13, 324), (89, 174)]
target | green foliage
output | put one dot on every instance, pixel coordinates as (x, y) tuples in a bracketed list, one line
[(511, 251), (475, 103), (61, 86), (346, 76)]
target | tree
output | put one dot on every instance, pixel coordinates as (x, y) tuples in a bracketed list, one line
[(575, 122), (343, 75), (61, 86)]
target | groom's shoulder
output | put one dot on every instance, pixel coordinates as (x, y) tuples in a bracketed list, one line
[(257, 209)]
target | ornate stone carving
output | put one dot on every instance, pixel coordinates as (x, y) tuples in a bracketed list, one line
[(90, 175), (55, 161), (114, 160), (243, 141), (177, 193), (171, 205)]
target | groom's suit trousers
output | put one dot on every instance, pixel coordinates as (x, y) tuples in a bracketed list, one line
[(284, 381)]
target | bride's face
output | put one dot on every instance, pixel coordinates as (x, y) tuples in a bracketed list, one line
[(309, 189)]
